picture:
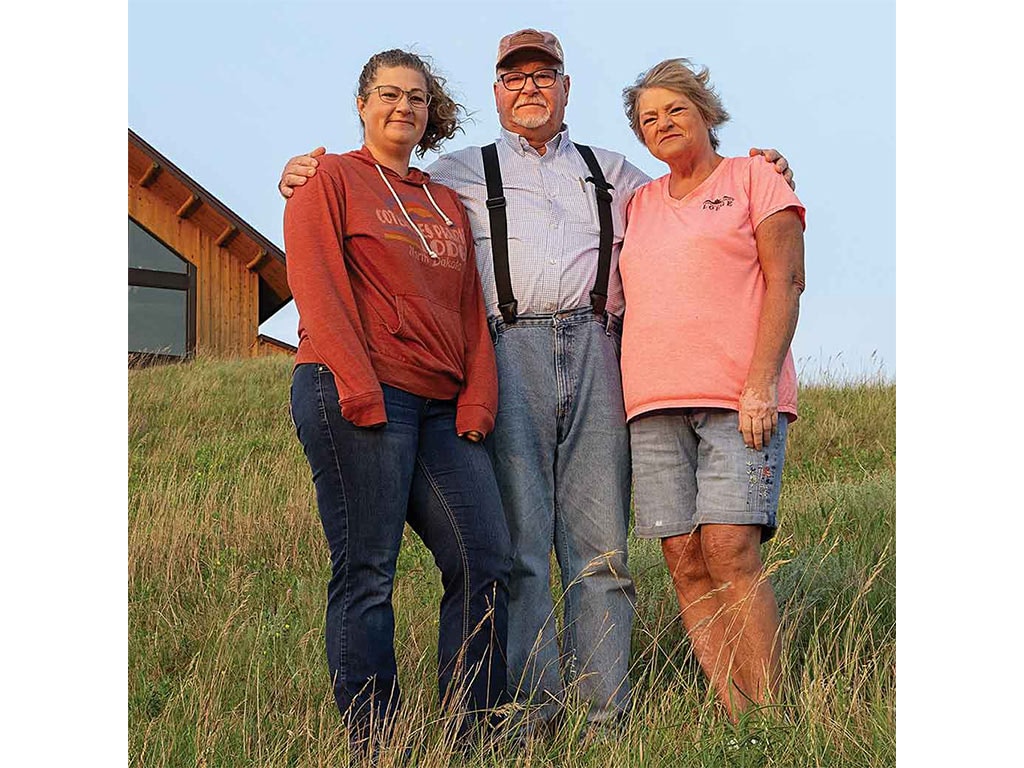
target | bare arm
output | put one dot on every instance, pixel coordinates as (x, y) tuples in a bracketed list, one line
[(297, 170), (780, 250)]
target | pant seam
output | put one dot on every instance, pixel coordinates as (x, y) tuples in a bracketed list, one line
[(459, 542), (343, 650)]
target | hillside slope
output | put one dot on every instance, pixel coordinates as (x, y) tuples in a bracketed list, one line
[(227, 579)]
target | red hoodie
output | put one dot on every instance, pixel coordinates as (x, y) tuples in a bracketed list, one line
[(375, 305)]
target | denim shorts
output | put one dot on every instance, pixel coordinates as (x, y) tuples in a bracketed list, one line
[(691, 467)]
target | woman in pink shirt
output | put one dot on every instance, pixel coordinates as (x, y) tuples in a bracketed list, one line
[(712, 269)]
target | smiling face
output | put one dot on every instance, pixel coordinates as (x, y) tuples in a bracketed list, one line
[(672, 126), (534, 113), (394, 127)]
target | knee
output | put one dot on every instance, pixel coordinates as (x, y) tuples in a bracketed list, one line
[(488, 577), (485, 562), (684, 559), (497, 565), (497, 555), (604, 572), (731, 553)]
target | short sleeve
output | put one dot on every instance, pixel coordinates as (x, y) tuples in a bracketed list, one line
[(769, 193)]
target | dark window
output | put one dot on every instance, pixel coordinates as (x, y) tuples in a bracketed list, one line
[(161, 299), (146, 252), (157, 321)]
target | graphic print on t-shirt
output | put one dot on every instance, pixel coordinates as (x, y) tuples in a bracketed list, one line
[(718, 202)]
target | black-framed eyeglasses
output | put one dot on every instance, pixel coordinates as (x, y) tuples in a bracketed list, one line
[(392, 94), (542, 78)]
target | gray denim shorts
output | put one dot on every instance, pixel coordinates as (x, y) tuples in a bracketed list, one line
[(691, 467)]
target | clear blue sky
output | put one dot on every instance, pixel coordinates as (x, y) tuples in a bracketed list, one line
[(228, 91)]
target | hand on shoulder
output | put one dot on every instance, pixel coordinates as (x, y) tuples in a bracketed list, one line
[(781, 164), (298, 170)]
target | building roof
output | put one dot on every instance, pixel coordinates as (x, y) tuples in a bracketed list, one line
[(277, 343), (152, 170)]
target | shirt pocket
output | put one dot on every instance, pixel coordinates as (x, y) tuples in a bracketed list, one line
[(618, 214)]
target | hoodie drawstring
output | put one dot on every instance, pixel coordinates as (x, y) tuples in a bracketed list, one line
[(437, 208), (408, 218)]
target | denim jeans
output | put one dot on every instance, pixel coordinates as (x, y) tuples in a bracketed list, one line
[(692, 468), (561, 453), (369, 483)]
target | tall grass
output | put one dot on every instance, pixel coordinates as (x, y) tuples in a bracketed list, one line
[(227, 579)]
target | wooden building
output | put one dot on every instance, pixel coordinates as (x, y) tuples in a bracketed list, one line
[(200, 280)]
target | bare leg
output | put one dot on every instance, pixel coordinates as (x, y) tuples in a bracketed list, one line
[(729, 611), (732, 554), (699, 608)]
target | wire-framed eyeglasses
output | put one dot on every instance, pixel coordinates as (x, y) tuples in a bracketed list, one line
[(392, 94), (542, 78)]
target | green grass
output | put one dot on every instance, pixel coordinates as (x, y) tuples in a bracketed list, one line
[(227, 580)]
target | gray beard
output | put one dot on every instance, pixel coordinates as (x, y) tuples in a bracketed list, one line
[(533, 120)]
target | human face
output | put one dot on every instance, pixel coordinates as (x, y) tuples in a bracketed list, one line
[(672, 126), (394, 127), (534, 113)]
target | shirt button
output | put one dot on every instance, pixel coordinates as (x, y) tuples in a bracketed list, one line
[(552, 261)]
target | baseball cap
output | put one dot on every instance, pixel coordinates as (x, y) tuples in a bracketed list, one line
[(530, 39)]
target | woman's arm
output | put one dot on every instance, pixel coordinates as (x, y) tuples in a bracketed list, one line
[(478, 398), (314, 220), (780, 251)]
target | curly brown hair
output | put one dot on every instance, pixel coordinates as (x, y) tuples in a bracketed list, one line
[(677, 75), (443, 120)]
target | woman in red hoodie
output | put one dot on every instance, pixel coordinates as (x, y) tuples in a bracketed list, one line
[(393, 389)]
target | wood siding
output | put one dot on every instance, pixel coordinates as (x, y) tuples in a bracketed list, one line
[(265, 345), (227, 294)]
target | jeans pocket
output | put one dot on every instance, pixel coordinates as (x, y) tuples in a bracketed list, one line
[(613, 327), (302, 403)]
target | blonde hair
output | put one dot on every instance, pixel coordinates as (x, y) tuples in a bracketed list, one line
[(443, 120), (680, 76)]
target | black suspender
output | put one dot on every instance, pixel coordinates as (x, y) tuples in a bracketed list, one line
[(507, 303), (599, 295)]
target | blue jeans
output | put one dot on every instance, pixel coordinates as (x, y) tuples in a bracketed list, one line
[(369, 483), (561, 456)]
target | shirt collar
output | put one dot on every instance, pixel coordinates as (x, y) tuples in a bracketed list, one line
[(558, 143)]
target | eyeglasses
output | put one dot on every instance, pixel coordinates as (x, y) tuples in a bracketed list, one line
[(542, 78), (392, 94)]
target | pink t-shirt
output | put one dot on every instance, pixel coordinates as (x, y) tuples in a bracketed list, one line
[(694, 289)]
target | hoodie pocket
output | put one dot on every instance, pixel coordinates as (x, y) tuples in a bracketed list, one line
[(386, 312), (431, 331)]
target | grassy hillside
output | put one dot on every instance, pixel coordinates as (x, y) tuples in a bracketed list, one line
[(227, 578)]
